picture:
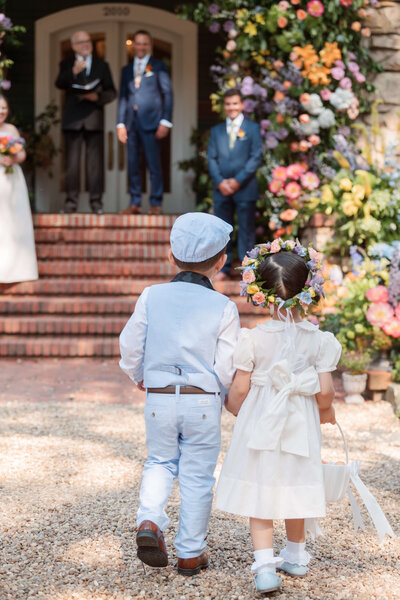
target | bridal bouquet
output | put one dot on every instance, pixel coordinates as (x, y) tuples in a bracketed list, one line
[(9, 147)]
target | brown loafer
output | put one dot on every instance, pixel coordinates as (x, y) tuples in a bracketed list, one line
[(131, 210), (155, 210), (151, 545), (192, 566)]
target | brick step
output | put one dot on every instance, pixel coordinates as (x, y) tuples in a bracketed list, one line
[(103, 268), (92, 287), (103, 251), (63, 325), (101, 235), (104, 221)]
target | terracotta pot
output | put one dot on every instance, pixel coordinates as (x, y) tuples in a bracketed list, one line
[(378, 382), (354, 385)]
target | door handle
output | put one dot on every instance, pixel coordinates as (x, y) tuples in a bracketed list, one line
[(121, 156), (110, 157)]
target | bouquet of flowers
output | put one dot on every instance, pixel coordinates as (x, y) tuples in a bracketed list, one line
[(10, 147)]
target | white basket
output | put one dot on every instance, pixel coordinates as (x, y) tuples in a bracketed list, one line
[(336, 477)]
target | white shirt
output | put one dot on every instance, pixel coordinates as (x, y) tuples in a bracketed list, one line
[(133, 340), (237, 123), (88, 61)]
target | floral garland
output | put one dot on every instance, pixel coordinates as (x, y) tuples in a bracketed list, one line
[(252, 284)]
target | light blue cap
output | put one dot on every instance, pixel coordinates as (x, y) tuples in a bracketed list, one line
[(198, 236)]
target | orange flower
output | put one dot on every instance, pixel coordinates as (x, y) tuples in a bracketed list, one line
[(240, 133), (304, 146), (272, 225), (280, 118), (279, 232), (304, 118), (314, 139), (282, 22), (356, 26), (301, 14), (330, 53), (148, 68), (287, 85), (295, 2), (278, 64), (279, 96), (294, 147), (319, 75), (4, 141), (305, 98), (15, 149), (289, 214)]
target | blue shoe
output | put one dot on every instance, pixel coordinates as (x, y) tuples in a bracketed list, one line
[(293, 569), (267, 582)]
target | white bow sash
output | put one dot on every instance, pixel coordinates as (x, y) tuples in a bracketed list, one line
[(283, 419)]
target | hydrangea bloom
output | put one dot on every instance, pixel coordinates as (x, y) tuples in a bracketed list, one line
[(327, 118), (342, 99)]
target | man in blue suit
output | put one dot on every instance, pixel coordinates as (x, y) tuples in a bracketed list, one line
[(234, 155), (144, 118)]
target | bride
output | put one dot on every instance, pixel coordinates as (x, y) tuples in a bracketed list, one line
[(17, 245)]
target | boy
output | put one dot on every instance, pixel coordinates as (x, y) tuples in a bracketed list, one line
[(234, 155), (178, 346)]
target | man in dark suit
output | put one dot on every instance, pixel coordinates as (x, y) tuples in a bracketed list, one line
[(144, 118), (83, 118), (234, 155)]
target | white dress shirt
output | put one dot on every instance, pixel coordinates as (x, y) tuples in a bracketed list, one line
[(88, 61), (237, 123)]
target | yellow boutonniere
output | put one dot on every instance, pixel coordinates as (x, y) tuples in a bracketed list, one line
[(241, 133)]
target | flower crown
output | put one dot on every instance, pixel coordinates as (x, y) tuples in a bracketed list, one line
[(252, 284)]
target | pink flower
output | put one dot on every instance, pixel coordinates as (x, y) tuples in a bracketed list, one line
[(315, 8), (310, 180), (392, 328), (379, 313), (337, 73), (397, 311), (258, 298), (292, 190), (325, 94), (345, 83), (378, 293), (314, 255), (290, 244), (275, 247), (294, 171), (279, 173), (275, 186), (289, 214), (314, 139), (231, 45), (353, 67), (245, 261), (248, 276), (340, 64), (346, 2), (283, 5), (360, 78)]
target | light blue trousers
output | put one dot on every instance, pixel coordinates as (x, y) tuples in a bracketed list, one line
[(183, 437)]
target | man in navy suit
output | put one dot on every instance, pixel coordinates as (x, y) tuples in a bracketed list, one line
[(144, 118), (234, 155)]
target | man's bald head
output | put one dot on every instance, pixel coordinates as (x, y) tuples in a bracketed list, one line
[(81, 43)]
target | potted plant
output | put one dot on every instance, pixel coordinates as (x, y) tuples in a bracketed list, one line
[(354, 376)]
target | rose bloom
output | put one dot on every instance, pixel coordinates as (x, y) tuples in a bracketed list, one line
[(275, 246), (314, 255), (378, 293), (275, 186), (278, 233), (310, 180), (301, 14), (397, 311), (231, 45), (245, 261), (294, 171), (356, 26), (248, 276), (290, 244), (315, 8), (279, 173), (305, 98), (392, 328), (282, 22), (294, 147), (366, 32), (289, 214), (287, 85), (314, 139), (292, 190), (304, 146), (295, 2), (304, 118), (378, 313), (272, 225), (283, 5), (325, 94), (346, 2), (259, 298)]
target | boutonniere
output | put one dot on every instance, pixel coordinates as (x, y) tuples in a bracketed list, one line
[(241, 134), (149, 71)]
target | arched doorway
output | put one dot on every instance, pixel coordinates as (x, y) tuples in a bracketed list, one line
[(111, 28)]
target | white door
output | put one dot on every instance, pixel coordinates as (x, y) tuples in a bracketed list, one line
[(111, 28)]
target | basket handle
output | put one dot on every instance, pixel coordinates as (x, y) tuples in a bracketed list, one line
[(344, 443)]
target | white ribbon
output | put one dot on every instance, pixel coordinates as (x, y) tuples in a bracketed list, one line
[(283, 419)]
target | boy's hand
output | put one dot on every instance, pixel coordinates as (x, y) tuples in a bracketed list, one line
[(327, 415), (139, 385)]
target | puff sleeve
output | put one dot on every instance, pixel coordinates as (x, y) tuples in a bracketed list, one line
[(244, 353), (329, 353)]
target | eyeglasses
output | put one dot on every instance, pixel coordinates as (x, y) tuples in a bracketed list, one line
[(82, 42)]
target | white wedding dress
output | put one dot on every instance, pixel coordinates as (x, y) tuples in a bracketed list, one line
[(17, 244)]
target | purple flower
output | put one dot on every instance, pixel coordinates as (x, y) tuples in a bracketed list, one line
[(228, 25), (5, 84), (269, 107), (351, 55), (259, 90), (5, 22), (374, 3), (337, 73), (213, 9), (214, 27), (254, 252), (265, 123), (282, 133), (271, 141), (249, 105), (340, 64), (360, 78), (353, 67), (243, 288), (344, 130), (345, 83)]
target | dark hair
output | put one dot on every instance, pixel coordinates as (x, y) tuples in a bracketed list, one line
[(2, 97), (142, 32), (233, 92), (202, 266), (286, 272)]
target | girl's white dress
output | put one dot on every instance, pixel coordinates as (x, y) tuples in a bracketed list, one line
[(17, 244), (273, 468)]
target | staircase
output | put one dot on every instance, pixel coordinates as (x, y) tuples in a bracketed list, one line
[(92, 268)]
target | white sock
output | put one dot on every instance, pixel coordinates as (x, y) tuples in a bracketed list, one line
[(295, 548), (295, 553), (263, 561)]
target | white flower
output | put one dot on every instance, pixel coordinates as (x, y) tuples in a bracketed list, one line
[(310, 128), (342, 99), (326, 119), (314, 105)]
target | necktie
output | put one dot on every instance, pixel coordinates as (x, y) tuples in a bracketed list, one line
[(138, 76), (232, 135)]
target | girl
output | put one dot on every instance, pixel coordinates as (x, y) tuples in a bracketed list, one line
[(281, 392)]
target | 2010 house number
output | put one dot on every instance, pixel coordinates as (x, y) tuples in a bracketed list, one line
[(116, 11)]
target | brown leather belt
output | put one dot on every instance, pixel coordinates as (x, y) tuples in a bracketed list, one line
[(184, 389)]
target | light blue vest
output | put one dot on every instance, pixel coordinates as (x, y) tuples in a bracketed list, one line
[(183, 325)]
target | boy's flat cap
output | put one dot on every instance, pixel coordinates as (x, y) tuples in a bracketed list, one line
[(198, 236)]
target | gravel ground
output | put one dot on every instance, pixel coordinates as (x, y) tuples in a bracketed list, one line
[(70, 474)]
